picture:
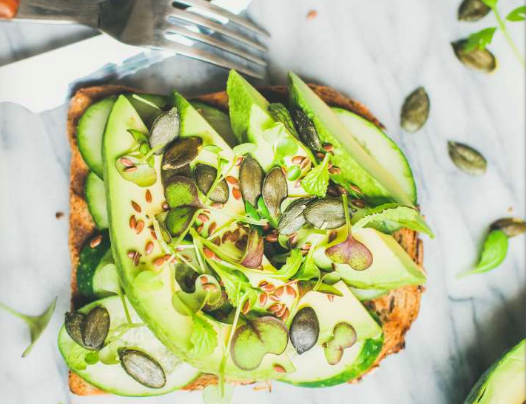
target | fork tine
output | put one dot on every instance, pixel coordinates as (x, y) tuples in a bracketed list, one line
[(221, 12), (206, 23), (204, 56), (215, 42)]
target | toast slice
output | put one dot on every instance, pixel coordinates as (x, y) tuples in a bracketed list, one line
[(397, 310)]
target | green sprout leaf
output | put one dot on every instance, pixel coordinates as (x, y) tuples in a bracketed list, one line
[(36, 324), (392, 216), (291, 267), (493, 253), (308, 270), (490, 3), (480, 40), (244, 148), (203, 336), (317, 180), (518, 14)]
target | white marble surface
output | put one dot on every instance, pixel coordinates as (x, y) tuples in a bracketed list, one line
[(376, 51)]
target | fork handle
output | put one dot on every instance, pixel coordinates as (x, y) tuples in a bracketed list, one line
[(52, 11), (8, 8)]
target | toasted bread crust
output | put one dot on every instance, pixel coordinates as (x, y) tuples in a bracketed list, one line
[(397, 310)]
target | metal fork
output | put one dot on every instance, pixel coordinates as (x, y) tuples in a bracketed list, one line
[(174, 26)]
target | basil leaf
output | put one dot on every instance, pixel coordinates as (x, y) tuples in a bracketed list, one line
[(480, 39), (203, 336), (518, 14), (391, 217), (493, 253), (317, 180), (36, 324), (244, 148)]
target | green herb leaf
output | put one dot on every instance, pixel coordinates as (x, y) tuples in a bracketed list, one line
[(490, 3), (493, 253), (479, 40), (148, 281), (317, 180), (291, 267), (36, 324), (212, 148), (251, 210), (308, 270), (244, 148), (391, 217), (518, 14), (203, 336)]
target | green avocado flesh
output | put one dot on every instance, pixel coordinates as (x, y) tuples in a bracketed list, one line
[(107, 374), (503, 383), (357, 167), (169, 273)]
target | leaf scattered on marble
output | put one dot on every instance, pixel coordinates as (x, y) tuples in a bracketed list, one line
[(493, 253)]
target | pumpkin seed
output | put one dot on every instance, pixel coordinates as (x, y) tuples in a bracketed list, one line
[(164, 130), (466, 158), (178, 219), (94, 329), (182, 191), (472, 10), (304, 330), (170, 176), (73, 326), (275, 190), (325, 213), (306, 130), (250, 179), (511, 226), (143, 368), (477, 59), (293, 219), (182, 152), (205, 176), (415, 110)]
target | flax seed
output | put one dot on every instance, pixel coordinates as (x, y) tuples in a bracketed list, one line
[(297, 160), (212, 227), (236, 193), (331, 298), (304, 164), (359, 203), (263, 297), (320, 155), (154, 235), (274, 298), (149, 248), (217, 241), (202, 217), (332, 235), (136, 258), (272, 237), (126, 162), (130, 169), (281, 311), (285, 315), (133, 222), (131, 254), (235, 236), (148, 196), (136, 207), (267, 287), (341, 189), (226, 236), (232, 180), (209, 287), (246, 307), (355, 188), (328, 147), (274, 308), (239, 161), (290, 291), (166, 206), (95, 241), (159, 262), (279, 291), (217, 205), (209, 253), (140, 227), (335, 170)]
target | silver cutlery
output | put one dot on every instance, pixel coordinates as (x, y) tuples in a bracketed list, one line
[(159, 24)]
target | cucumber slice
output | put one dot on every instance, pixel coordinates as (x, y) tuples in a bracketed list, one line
[(89, 260), (364, 295), (96, 198), (381, 147), (217, 120), (106, 277), (89, 133), (93, 123), (106, 373)]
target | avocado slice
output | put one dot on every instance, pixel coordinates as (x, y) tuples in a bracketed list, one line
[(381, 148), (357, 167), (503, 382), (112, 378), (391, 268), (155, 307), (312, 367)]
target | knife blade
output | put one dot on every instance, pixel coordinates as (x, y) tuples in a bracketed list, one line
[(44, 81)]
